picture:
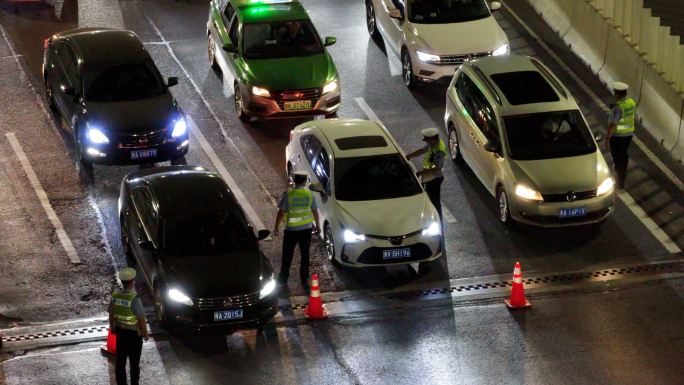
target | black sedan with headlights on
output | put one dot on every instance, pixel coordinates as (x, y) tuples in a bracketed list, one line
[(113, 98), (197, 252)]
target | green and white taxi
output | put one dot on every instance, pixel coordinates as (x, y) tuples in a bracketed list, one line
[(275, 60)]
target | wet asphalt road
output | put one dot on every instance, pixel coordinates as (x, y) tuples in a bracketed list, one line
[(37, 284)]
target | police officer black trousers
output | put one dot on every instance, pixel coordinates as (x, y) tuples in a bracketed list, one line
[(433, 189), (290, 240), (618, 150), (128, 348)]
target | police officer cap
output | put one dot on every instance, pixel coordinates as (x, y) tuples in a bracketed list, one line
[(127, 274), (619, 86), (429, 133)]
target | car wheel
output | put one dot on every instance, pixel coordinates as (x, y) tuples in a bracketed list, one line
[(211, 50), (504, 207), (371, 21), (180, 161), (290, 174), (239, 107), (160, 306), (454, 145), (49, 97), (331, 116), (407, 70), (126, 239), (80, 150), (330, 246)]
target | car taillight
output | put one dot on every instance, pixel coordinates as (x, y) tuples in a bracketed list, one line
[(47, 43), (291, 132)]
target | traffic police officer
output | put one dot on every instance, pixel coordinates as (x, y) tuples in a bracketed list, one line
[(299, 210), (127, 321), (433, 163), (620, 131)]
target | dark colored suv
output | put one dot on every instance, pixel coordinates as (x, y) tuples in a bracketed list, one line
[(113, 98), (196, 249)]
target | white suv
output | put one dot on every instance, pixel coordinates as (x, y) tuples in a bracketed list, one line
[(434, 37)]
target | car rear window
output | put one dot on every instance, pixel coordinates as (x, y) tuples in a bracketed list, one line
[(359, 142), (525, 87)]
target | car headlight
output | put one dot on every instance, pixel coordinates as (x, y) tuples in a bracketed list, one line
[(180, 128), (268, 289), (427, 57), (352, 237), (527, 193), (177, 296), (96, 136), (503, 50), (605, 187), (260, 91), (330, 87), (432, 230)]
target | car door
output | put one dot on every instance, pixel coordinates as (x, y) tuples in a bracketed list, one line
[(221, 32), (145, 228), (394, 31), (312, 147), (458, 97), (486, 130), (65, 76), (322, 173)]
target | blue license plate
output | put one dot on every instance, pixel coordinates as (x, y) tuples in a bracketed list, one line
[(574, 212), (152, 153), (227, 315), (396, 253)]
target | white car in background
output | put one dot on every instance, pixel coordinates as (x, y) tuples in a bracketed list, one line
[(372, 207), (434, 37)]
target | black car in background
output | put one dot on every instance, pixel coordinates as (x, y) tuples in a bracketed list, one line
[(113, 98), (196, 249)]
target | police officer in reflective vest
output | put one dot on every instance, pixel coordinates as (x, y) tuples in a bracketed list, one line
[(127, 321), (433, 163), (299, 210), (620, 131)]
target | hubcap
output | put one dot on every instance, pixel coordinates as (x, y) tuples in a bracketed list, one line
[(238, 101), (329, 245), (453, 144), (370, 18), (48, 92), (211, 51), (124, 236), (503, 206), (158, 305), (406, 67)]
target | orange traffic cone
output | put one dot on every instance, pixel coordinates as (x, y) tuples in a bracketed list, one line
[(315, 310), (517, 300), (111, 343)]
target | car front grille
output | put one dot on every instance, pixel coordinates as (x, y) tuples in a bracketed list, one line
[(312, 94), (566, 197), (234, 302), (149, 139), (394, 240), (460, 59)]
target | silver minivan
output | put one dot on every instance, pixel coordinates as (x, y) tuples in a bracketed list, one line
[(522, 133)]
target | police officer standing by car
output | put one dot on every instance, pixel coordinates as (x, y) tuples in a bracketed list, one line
[(299, 210), (620, 131), (127, 321), (433, 163)]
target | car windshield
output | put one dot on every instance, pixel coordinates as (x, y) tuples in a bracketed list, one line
[(280, 39), (219, 233), (446, 11), (123, 82), (374, 177), (548, 135)]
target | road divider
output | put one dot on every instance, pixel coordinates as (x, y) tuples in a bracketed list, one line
[(44, 201)]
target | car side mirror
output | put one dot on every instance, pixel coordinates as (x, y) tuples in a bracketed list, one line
[(145, 244), (230, 48), (395, 14), (598, 135), (172, 81), (330, 41), (491, 146), (263, 234), (317, 187), (69, 91), (495, 5)]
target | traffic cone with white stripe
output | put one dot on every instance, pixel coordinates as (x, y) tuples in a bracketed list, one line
[(315, 310), (517, 300), (111, 343)]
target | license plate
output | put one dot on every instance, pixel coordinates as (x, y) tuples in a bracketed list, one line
[(574, 212), (227, 315), (152, 153), (396, 253), (298, 105)]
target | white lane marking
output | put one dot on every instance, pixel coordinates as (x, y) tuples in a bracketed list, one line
[(648, 222), (448, 216), (249, 210), (211, 111), (44, 201)]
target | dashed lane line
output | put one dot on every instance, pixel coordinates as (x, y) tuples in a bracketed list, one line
[(448, 216), (657, 232), (44, 201), (249, 210)]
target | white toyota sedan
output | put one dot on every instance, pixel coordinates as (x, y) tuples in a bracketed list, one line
[(372, 207)]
